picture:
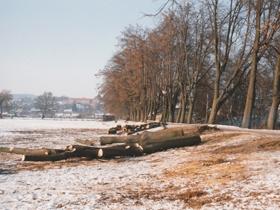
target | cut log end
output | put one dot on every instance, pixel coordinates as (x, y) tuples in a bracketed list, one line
[(100, 153)]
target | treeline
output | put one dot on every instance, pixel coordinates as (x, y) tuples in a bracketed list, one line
[(214, 61)]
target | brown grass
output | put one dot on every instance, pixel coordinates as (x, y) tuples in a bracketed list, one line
[(39, 166), (220, 137), (212, 171), (193, 197), (261, 143)]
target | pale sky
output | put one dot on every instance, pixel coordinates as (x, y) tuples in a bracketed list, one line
[(59, 45)]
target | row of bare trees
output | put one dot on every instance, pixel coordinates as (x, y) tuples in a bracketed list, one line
[(214, 61)]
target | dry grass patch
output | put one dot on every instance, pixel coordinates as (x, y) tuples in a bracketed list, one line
[(220, 137), (40, 166), (261, 143), (193, 197), (212, 171)]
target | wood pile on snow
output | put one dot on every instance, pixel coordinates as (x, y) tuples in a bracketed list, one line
[(144, 142)]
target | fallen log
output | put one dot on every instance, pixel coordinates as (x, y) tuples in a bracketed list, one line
[(133, 145), (141, 138), (168, 143), (52, 157), (74, 151), (107, 151), (131, 129), (121, 150), (104, 140), (87, 142), (26, 151)]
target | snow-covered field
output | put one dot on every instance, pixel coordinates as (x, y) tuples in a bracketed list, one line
[(36, 124), (232, 169)]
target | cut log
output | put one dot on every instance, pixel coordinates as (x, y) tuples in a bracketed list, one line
[(90, 152), (104, 140), (168, 143), (131, 129), (121, 149), (52, 157), (133, 145), (141, 138), (27, 151), (87, 142)]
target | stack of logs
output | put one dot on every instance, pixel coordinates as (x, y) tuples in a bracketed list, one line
[(114, 146), (131, 129)]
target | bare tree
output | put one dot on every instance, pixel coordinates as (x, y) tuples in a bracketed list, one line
[(199, 54), (230, 31), (46, 103), (246, 122), (267, 23), (5, 99), (273, 113)]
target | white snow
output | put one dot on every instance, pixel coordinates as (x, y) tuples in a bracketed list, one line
[(36, 124), (235, 128)]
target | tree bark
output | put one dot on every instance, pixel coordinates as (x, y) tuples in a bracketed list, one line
[(27, 151), (147, 135), (175, 142), (133, 145), (214, 108), (1, 111), (250, 99), (214, 111), (273, 113), (191, 106)]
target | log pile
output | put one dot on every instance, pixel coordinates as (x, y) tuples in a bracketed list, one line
[(131, 129), (114, 146)]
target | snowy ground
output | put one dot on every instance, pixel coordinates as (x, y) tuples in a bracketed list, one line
[(233, 169)]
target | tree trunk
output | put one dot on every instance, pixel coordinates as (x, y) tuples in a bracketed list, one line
[(1, 111), (175, 142), (190, 112), (180, 109), (145, 136), (179, 113), (27, 151), (214, 111), (191, 105), (182, 112), (164, 115), (250, 99), (214, 108), (273, 113), (53, 157), (74, 151), (169, 112), (136, 145)]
